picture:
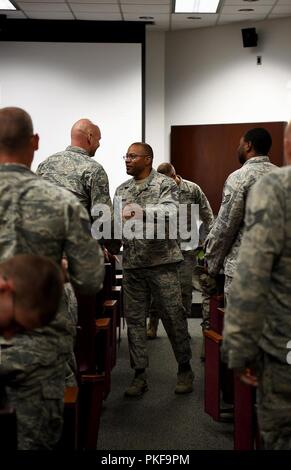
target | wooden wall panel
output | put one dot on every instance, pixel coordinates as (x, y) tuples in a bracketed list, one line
[(207, 154)]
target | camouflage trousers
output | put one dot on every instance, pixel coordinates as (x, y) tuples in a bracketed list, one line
[(203, 283), (72, 307), (39, 411), (34, 375), (227, 284), (274, 404), (185, 270), (160, 283)]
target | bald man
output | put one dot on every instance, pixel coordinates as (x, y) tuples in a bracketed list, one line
[(74, 169)]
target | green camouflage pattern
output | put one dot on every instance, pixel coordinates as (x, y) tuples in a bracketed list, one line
[(191, 193), (257, 329), (223, 241), (162, 193), (74, 170), (40, 218), (162, 285)]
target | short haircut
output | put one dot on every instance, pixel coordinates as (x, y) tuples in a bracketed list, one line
[(166, 169), (38, 283), (15, 129), (260, 139), (146, 147)]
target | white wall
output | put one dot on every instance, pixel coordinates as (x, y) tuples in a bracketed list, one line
[(61, 83), (211, 78), (155, 94)]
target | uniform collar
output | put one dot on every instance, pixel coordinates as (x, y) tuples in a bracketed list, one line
[(147, 181), (18, 167), (79, 150), (258, 159)]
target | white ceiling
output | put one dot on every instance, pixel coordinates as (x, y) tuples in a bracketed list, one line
[(160, 10)]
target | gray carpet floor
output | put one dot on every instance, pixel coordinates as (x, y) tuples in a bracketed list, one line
[(160, 419)]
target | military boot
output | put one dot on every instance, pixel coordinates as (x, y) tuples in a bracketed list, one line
[(184, 382), (138, 386), (152, 328)]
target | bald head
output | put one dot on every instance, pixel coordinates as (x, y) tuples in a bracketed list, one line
[(167, 169), (17, 142), (287, 144), (86, 135)]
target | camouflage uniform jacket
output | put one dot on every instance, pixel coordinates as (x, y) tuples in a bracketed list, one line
[(223, 241), (191, 193), (158, 196), (258, 314), (76, 171), (38, 217)]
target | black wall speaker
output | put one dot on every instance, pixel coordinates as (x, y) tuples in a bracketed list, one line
[(249, 37)]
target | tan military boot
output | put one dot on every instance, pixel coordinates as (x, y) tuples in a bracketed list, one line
[(152, 328), (184, 382), (138, 386)]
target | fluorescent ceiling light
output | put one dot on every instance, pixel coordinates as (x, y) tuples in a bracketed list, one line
[(196, 6), (6, 5)]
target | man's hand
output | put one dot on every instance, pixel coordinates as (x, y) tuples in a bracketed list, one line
[(109, 258), (132, 211), (64, 268), (248, 377)]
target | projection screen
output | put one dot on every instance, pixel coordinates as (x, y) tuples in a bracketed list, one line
[(59, 83)]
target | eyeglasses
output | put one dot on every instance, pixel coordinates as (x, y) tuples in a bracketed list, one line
[(133, 156)]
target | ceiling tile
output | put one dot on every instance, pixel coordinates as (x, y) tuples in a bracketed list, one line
[(46, 15), (234, 9), (136, 17), (243, 4), (224, 19), (95, 8), (48, 6), (93, 1), (146, 2), (106, 10), (99, 16), (41, 1), (145, 9), (181, 20), (209, 17)]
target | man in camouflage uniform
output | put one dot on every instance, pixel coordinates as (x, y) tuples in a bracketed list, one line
[(23, 309), (150, 268), (223, 241), (189, 193), (257, 331), (38, 217), (74, 169)]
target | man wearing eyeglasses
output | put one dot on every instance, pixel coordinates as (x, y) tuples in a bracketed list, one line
[(151, 266), (189, 194)]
